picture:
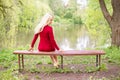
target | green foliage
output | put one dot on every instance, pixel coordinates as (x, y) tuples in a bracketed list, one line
[(6, 62), (6, 58), (72, 13), (77, 20), (8, 22), (113, 54), (57, 19), (68, 15), (2, 32), (39, 62), (8, 75), (109, 6), (91, 69), (103, 67), (57, 7), (34, 70), (31, 12), (96, 24)]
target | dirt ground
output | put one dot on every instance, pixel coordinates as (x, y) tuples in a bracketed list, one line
[(111, 73)]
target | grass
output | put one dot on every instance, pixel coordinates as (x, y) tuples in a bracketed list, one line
[(43, 64), (113, 55)]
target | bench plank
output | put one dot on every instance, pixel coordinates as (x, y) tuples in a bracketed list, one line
[(64, 53)]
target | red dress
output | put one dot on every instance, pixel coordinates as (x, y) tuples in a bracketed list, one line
[(47, 41)]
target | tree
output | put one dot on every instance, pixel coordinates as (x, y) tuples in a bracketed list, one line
[(57, 7), (8, 22), (113, 20)]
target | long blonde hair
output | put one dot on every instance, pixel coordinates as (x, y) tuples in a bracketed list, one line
[(42, 23)]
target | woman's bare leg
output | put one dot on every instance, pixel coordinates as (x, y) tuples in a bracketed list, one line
[(54, 60)]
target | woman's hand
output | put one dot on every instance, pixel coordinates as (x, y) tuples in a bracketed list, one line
[(61, 50), (31, 49)]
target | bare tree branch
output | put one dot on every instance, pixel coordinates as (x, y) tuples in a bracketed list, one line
[(105, 11)]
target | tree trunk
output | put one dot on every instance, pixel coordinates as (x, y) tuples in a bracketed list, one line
[(113, 21), (115, 34)]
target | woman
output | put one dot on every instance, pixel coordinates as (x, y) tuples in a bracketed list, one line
[(47, 42)]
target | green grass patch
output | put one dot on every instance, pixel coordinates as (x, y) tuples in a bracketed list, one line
[(113, 55)]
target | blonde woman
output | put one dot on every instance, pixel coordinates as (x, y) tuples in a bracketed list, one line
[(47, 42)]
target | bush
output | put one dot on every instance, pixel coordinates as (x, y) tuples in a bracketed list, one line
[(113, 54)]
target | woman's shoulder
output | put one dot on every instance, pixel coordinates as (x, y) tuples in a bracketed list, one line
[(48, 27)]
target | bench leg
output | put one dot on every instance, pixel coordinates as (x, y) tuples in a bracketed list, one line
[(21, 61), (98, 60), (61, 62)]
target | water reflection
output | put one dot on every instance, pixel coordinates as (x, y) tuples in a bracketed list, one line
[(83, 42), (65, 45), (74, 38)]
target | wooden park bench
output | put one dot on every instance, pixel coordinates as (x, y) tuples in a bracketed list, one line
[(96, 53)]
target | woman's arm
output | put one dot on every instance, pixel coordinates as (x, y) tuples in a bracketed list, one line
[(33, 41)]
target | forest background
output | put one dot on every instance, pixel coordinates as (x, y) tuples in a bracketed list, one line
[(22, 16)]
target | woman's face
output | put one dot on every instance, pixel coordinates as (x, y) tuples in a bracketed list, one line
[(50, 20)]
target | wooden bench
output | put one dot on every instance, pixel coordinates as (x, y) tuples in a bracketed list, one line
[(96, 53)]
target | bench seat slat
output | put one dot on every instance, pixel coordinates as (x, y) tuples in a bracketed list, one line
[(64, 53)]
